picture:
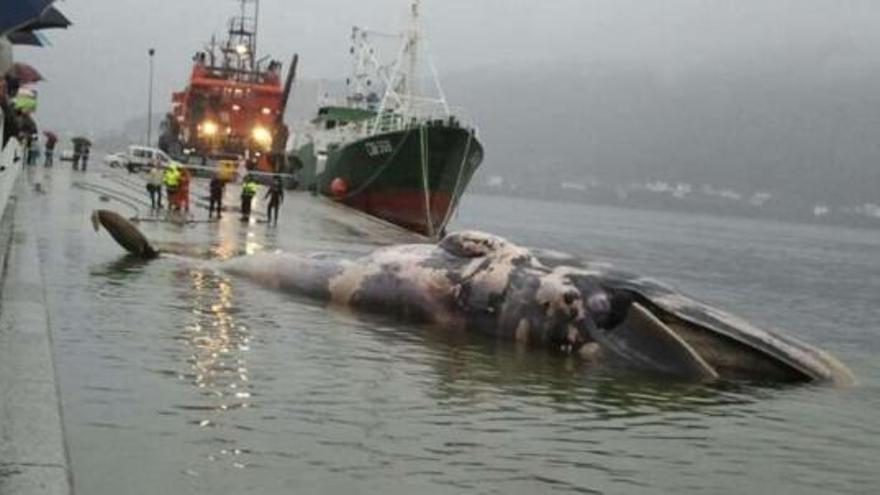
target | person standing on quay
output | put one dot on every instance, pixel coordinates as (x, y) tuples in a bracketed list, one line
[(276, 197), (77, 154), (154, 187), (216, 199), (183, 189), (85, 155), (248, 191), (171, 179), (49, 149)]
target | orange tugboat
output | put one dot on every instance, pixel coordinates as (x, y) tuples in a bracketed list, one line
[(234, 102)]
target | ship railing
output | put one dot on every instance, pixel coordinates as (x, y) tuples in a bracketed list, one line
[(241, 75), (322, 138), (387, 122), (418, 116)]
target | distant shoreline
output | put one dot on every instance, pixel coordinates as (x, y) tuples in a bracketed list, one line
[(693, 208)]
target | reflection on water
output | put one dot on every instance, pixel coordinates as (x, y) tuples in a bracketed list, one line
[(470, 369), (178, 379), (123, 269), (218, 348)]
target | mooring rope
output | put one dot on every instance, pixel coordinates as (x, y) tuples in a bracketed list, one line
[(426, 187), (456, 191)]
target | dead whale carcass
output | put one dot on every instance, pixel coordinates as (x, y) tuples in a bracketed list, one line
[(479, 282)]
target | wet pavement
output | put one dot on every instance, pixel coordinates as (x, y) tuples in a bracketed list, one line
[(33, 454)]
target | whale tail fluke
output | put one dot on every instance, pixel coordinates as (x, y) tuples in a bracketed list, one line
[(124, 233)]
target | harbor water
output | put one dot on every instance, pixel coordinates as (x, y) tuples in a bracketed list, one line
[(177, 378)]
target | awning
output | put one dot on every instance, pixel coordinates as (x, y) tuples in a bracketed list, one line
[(29, 34), (51, 18), (15, 14)]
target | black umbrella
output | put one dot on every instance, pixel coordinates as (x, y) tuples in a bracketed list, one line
[(15, 14)]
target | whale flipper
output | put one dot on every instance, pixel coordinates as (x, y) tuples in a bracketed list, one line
[(646, 342)]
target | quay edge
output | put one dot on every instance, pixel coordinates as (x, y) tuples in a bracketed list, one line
[(33, 452)]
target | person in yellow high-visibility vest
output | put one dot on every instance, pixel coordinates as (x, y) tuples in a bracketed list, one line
[(171, 179), (248, 191)]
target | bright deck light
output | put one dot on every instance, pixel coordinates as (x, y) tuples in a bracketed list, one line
[(209, 128), (262, 136)]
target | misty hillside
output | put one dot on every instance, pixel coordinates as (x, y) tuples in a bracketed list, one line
[(777, 129)]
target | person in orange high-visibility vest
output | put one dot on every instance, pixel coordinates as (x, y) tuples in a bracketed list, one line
[(183, 190)]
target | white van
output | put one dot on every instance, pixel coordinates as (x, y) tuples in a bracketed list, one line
[(139, 157), (142, 157)]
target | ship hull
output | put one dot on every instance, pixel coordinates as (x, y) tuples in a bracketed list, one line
[(413, 178)]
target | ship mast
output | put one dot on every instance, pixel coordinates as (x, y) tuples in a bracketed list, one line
[(360, 82), (256, 25), (412, 46), (241, 46), (403, 101)]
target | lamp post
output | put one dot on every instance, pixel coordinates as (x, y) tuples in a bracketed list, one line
[(150, 52)]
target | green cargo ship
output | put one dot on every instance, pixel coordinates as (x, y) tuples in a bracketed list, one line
[(401, 157)]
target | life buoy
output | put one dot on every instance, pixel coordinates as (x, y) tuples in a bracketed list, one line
[(338, 187)]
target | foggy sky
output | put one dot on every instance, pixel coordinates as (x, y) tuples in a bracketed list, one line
[(97, 70)]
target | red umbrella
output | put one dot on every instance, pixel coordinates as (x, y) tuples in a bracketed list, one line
[(25, 73)]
